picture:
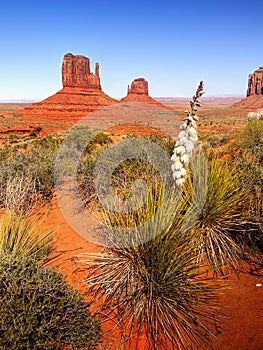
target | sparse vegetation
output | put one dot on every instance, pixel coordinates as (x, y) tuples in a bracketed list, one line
[(150, 277)]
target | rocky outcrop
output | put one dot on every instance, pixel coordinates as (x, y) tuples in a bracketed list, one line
[(255, 82), (76, 73), (22, 129), (138, 86), (80, 95)]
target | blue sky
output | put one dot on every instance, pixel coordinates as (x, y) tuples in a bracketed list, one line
[(173, 44)]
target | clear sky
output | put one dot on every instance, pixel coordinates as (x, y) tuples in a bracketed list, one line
[(173, 44)]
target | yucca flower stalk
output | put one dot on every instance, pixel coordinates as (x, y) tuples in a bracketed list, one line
[(186, 139)]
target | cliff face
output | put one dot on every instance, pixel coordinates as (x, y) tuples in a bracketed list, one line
[(138, 86), (255, 82), (76, 73)]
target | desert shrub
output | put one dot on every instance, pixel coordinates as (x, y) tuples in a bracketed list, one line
[(253, 173), (36, 166), (248, 145), (39, 310), (149, 278), (166, 142), (85, 178), (251, 139), (5, 153), (19, 195), (23, 237), (126, 172), (102, 138), (224, 215), (215, 140)]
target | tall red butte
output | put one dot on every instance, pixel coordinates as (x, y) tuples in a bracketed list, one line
[(254, 99), (80, 95)]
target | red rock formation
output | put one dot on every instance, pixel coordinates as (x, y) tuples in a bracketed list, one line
[(21, 129), (76, 73), (80, 95), (138, 92), (138, 86), (255, 82)]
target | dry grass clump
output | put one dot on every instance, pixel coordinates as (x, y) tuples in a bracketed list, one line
[(20, 195)]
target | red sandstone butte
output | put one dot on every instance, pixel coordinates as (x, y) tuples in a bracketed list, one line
[(80, 95), (76, 73), (138, 92), (255, 82), (138, 86), (254, 99)]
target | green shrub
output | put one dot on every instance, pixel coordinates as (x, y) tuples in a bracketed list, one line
[(251, 139), (253, 173), (39, 310), (102, 138), (37, 164)]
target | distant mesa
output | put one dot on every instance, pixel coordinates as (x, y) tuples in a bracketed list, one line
[(81, 92), (255, 82), (138, 92), (254, 99)]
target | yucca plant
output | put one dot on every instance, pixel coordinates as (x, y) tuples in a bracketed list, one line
[(148, 278), (23, 237), (224, 214)]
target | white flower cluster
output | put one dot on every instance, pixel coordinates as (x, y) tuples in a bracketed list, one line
[(184, 148), (258, 115)]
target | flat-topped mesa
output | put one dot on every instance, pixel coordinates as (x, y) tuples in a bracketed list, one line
[(138, 86), (76, 73), (255, 82)]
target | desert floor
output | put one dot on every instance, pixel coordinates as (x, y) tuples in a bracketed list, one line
[(241, 303)]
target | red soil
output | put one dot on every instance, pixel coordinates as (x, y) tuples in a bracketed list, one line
[(135, 129), (241, 305)]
